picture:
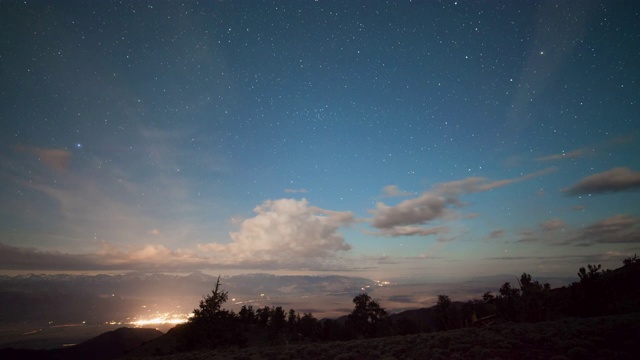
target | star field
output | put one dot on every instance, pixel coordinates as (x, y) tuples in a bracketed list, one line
[(395, 138)]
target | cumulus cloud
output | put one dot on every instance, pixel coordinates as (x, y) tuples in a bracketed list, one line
[(614, 180), (552, 224), (286, 233), (403, 218)]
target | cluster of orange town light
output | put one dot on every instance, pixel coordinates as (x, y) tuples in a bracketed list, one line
[(166, 318), (159, 318), (378, 283), (162, 319)]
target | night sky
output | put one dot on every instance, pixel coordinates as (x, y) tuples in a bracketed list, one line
[(380, 139)]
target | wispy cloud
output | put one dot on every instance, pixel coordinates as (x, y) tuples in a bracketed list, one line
[(563, 155), (394, 191), (617, 229), (614, 180), (412, 231), (577, 259), (585, 152), (403, 218), (552, 224), (479, 184), (295, 191), (621, 228), (53, 159)]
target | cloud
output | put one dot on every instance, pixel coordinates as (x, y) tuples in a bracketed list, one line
[(614, 180), (407, 299), (401, 219), (412, 231), (426, 207), (149, 257), (295, 191), (578, 259), (54, 159), (394, 191), (621, 228), (578, 153), (552, 224), (563, 155), (480, 184), (285, 233), (528, 236), (497, 234)]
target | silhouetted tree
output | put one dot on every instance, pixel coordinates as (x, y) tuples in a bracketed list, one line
[(293, 321), (470, 311), (630, 260), (508, 302), (277, 321), (590, 297), (263, 314), (247, 314), (368, 319), (488, 297), (309, 326), (535, 299), (210, 325), (210, 306), (591, 275), (443, 311)]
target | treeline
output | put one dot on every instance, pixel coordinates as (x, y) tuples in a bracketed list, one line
[(599, 292), (212, 326)]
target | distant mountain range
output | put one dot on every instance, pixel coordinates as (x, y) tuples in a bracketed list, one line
[(195, 283), (103, 298), (109, 345)]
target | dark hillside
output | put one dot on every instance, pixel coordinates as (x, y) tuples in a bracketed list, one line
[(613, 337), (112, 344)]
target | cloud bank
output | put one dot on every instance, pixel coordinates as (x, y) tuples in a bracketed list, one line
[(145, 258)]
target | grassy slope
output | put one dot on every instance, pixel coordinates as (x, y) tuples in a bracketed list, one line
[(613, 337)]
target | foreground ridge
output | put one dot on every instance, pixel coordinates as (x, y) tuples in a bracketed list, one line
[(611, 337)]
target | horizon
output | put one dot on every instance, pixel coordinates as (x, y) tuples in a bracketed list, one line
[(403, 140), (138, 300)]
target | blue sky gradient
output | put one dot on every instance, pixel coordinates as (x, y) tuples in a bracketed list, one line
[(371, 138)]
